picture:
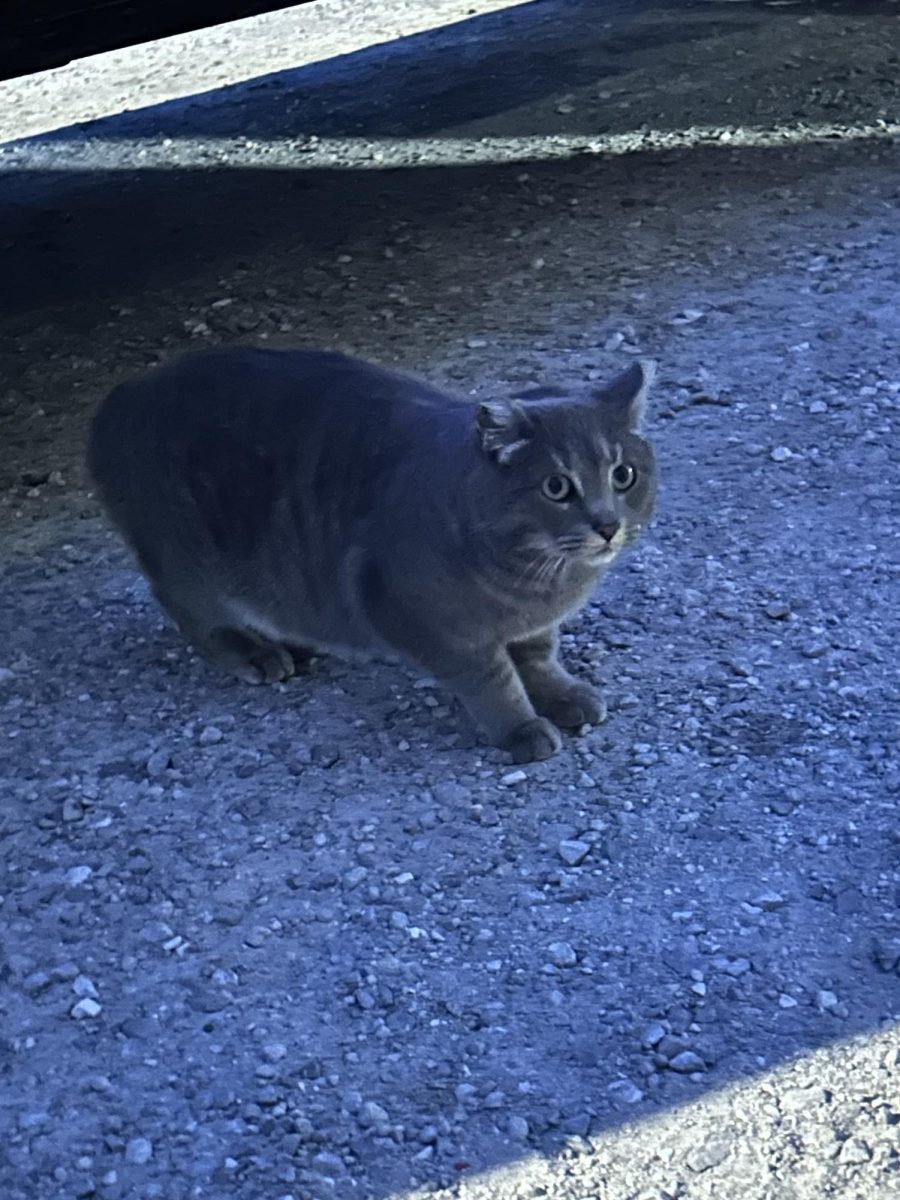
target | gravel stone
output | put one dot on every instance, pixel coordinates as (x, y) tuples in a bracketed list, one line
[(855, 1150), (275, 1052), (735, 967), (85, 1009), (626, 1091), (83, 986), (712, 1153), (329, 1164), (574, 852), (76, 876), (686, 1062), (768, 901), (653, 1035), (372, 1113), (562, 954), (72, 809), (139, 1151), (518, 1128)]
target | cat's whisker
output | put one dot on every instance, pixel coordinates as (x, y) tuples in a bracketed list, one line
[(542, 570)]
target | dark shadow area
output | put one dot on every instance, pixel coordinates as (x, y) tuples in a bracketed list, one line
[(125, 233), (90, 232)]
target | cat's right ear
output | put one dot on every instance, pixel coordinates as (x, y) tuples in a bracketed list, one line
[(625, 398), (503, 429)]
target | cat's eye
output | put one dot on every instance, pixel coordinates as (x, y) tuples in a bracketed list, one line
[(558, 488), (623, 476)]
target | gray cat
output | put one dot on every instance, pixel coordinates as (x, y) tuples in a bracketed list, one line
[(287, 502)]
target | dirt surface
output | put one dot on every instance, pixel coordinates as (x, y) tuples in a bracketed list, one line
[(313, 941)]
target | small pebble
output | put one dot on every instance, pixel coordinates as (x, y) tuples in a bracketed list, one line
[(574, 852), (158, 763), (653, 1035), (769, 901), (373, 1114), (211, 735), (781, 454), (83, 986), (626, 1091), (562, 954), (686, 1063), (735, 967), (87, 1007), (139, 1151), (855, 1150), (778, 611), (327, 1163), (511, 778), (517, 1127), (815, 649), (710, 1153)]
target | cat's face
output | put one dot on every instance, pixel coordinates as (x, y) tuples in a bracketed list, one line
[(579, 480)]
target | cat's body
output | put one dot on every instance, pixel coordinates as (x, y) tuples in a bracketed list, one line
[(282, 503)]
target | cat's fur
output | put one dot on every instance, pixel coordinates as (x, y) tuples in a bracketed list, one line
[(284, 502)]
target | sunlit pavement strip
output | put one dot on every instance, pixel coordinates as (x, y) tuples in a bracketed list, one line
[(363, 153), (223, 55), (803, 1131)]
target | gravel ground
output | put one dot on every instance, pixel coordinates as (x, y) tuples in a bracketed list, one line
[(312, 941)]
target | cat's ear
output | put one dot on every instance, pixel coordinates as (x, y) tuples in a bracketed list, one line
[(503, 429), (625, 398)]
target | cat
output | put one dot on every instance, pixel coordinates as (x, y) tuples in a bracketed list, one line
[(286, 502)]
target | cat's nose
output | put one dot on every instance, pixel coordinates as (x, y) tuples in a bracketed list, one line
[(605, 527)]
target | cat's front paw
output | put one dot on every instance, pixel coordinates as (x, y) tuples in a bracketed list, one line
[(577, 705), (533, 741)]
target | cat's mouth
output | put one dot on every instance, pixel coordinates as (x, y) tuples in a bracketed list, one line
[(594, 551), (600, 554), (601, 549)]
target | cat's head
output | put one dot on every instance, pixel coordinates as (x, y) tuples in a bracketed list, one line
[(579, 481)]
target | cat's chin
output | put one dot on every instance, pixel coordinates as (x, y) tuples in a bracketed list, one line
[(600, 558)]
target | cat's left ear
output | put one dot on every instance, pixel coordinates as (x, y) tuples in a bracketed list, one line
[(626, 397), (503, 429)]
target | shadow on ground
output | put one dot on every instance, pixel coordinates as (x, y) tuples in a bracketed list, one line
[(537, 70)]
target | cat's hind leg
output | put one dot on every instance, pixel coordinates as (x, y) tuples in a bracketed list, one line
[(247, 656), (243, 653), (566, 701)]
